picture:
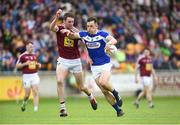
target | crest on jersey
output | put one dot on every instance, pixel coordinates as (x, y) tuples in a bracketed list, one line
[(93, 45)]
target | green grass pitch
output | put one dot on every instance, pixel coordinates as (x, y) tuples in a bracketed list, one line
[(166, 111)]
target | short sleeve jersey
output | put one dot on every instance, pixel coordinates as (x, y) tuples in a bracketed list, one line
[(67, 48), (32, 67), (145, 66)]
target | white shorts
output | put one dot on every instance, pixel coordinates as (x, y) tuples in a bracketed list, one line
[(73, 65), (97, 70), (146, 81), (30, 79)]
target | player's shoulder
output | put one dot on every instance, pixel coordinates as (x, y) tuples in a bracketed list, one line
[(140, 57), (23, 54), (102, 33), (74, 29), (83, 33)]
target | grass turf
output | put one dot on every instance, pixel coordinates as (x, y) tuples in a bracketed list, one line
[(166, 111)]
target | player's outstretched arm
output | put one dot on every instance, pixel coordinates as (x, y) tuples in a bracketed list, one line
[(110, 41), (53, 26)]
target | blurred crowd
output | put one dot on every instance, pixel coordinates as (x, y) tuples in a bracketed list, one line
[(134, 23)]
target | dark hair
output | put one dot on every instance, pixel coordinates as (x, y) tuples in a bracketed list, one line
[(66, 15), (92, 19), (147, 49), (28, 42), (151, 53)]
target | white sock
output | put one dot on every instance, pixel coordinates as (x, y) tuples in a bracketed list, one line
[(35, 108), (62, 105), (137, 101), (91, 96), (24, 102), (150, 104)]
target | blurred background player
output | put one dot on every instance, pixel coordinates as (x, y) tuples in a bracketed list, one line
[(69, 59), (97, 41), (145, 67), (27, 62)]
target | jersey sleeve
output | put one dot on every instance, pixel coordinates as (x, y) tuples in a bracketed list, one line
[(82, 34), (138, 63), (104, 34), (20, 60)]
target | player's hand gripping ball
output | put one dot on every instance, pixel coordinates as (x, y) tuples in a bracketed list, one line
[(112, 50)]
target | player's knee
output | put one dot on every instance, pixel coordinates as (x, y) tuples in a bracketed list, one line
[(60, 83), (101, 82), (105, 92)]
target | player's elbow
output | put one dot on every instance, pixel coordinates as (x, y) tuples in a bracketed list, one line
[(51, 27)]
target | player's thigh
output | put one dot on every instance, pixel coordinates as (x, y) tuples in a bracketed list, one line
[(34, 88), (147, 82), (26, 81), (27, 91), (79, 78), (105, 73), (104, 77), (102, 72), (99, 85), (61, 73)]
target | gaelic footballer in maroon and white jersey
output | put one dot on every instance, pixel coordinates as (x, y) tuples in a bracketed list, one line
[(147, 72), (67, 48), (32, 67), (27, 62)]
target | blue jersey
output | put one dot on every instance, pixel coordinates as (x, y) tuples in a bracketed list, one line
[(95, 44)]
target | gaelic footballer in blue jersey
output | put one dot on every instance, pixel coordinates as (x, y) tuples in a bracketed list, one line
[(97, 41)]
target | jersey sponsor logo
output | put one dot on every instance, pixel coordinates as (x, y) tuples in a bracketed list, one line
[(93, 45), (32, 65), (93, 39), (68, 42), (148, 67)]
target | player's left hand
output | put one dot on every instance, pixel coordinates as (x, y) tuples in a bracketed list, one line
[(155, 80), (38, 65), (107, 47)]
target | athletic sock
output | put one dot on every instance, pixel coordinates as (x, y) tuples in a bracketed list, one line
[(116, 107), (115, 93), (24, 102), (137, 101), (91, 96), (62, 105), (151, 104), (35, 108)]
